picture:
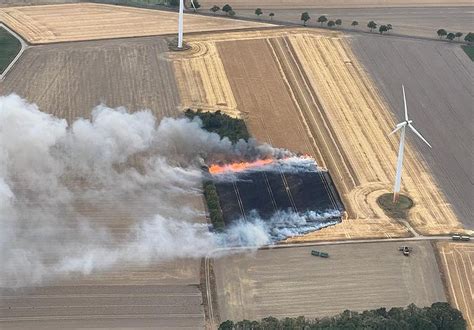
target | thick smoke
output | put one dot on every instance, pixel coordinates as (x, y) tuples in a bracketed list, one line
[(118, 187)]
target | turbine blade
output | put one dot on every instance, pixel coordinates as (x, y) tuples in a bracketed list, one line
[(192, 4), (396, 129), (419, 135), (399, 126), (405, 103)]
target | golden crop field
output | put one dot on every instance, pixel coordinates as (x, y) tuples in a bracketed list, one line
[(457, 265), (87, 21), (306, 91)]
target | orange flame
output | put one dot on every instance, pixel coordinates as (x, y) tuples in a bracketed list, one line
[(238, 167)]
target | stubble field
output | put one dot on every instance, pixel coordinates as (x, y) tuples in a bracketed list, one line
[(457, 262), (68, 80), (160, 296), (306, 91), (86, 21), (291, 282)]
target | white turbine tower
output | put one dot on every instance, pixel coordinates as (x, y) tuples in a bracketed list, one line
[(180, 22), (402, 126)]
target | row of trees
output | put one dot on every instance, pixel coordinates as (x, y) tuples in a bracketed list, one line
[(442, 33), (439, 316), (338, 22), (305, 17), (226, 9)]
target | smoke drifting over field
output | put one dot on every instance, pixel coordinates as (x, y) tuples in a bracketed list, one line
[(52, 175)]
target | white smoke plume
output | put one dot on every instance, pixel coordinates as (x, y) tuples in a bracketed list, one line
[(118, 187)]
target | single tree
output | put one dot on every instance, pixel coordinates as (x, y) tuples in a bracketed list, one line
[(271, 16), (383, 28), (331, 24), (231, 13), (215, 9), (469, 37), (258, 12), (389, 27), (226, 8), (450, 36), (305, 17), (354, 23), (338, 22), (372, 25), (196, 6), (441, 33), (458, 35), (322, 19)]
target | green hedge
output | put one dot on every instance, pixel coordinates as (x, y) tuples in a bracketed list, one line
[(212, 200)]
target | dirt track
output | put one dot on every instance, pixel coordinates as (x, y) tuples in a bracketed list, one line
[(305, 91), (68, 80), (292, 282), (86, 21), (457, 265)]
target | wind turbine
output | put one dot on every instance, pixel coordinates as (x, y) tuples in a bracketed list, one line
[(180, 22), (402, 126)]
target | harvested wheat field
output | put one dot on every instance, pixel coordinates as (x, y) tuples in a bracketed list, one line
[(129, 296), (69, 80), (457, 261), (305, 91), (86, 21), (290, 282)]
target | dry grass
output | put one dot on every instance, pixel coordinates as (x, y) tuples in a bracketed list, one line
[(457, 265), (86, 21), (306, 91)]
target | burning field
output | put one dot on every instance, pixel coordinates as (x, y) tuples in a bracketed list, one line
[(122, 188), (290, 196)]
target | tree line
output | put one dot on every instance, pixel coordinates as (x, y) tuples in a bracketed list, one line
[(323, 19), (442, 33), (439, 315)]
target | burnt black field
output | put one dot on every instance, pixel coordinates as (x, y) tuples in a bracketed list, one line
[(268, 191)]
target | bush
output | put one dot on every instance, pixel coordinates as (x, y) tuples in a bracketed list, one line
[(222, 124)]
